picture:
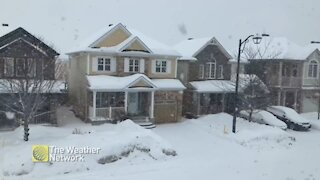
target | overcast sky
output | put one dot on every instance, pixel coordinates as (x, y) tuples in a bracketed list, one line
[(64, 22)]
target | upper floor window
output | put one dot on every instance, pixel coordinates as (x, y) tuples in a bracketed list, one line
[(285, 70), (8, 67), (20, 67), (313, 69), (201, 71), (220, 71), (211, 70), (294, 70), (104, 64), (161, 66), (134, 65), (31, 67)]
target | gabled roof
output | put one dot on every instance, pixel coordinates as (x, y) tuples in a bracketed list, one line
[(21, 33), (279, 48), (154, 47), (132, 40), (190, 48)]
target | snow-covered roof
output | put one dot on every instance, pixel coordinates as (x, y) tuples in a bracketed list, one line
[(168, 84), (116, 83), (191, 47), (213, 86), (153, 45), (278, 48)]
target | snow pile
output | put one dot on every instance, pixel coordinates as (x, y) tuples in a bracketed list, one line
[(121, 143), (249, 134), (313, 118)]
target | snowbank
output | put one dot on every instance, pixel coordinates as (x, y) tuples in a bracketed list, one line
[(123, 142), (248, 134)]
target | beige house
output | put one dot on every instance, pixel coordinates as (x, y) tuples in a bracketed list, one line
[(120, 73)]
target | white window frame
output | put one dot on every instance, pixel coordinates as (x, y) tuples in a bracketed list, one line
[(134, 65), (159, 65), (201, 71), (211, 71), (6, 60), (106, 62), (313, 66), (220, 69)]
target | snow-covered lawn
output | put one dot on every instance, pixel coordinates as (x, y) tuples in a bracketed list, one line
[(206, 149)]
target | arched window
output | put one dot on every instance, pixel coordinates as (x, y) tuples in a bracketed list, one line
[(313, 69)]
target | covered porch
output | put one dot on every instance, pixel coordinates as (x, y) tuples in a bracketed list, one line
[(212, 96), (122, 97)]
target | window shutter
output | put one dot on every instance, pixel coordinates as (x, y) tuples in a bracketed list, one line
[(126, 64), (153, 66), (169, 66), (95, 64), (141, 65), (113, 65)]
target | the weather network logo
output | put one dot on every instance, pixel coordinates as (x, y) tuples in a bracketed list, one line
[(40, 153)]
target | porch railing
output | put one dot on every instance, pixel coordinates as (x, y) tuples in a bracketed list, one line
[(108, 113)]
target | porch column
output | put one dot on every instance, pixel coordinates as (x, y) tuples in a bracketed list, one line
[(223, 102), (94, 94), (295, 100), (280, 74), (152, 105), (279, 98), (284, 98), (126, 102)]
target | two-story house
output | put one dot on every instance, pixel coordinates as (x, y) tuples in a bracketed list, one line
[(205, 69), (25, 57), (121, 72), (290, 71)]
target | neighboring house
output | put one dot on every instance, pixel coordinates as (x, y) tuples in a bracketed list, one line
[(120, 73), (21, 51), (205, 69), (290, 71)]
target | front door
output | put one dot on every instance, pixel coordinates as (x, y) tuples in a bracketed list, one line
[(138, 103), (133, 99)]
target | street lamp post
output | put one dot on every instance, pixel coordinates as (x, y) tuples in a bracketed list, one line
[(256, 40)]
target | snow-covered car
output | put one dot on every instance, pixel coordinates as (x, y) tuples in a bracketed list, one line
[(290, 117), (263, 117)]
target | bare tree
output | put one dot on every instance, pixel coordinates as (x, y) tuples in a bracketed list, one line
[(255, 94), (26, 95)]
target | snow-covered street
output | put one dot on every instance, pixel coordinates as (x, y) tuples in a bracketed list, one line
[(205, 150)]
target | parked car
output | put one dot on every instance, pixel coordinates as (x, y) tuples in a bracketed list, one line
[(290, 117), (263, 117)]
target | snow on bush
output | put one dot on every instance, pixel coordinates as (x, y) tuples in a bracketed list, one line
[(125, 140)]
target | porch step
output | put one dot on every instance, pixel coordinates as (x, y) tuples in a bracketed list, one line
[(147, 125)]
